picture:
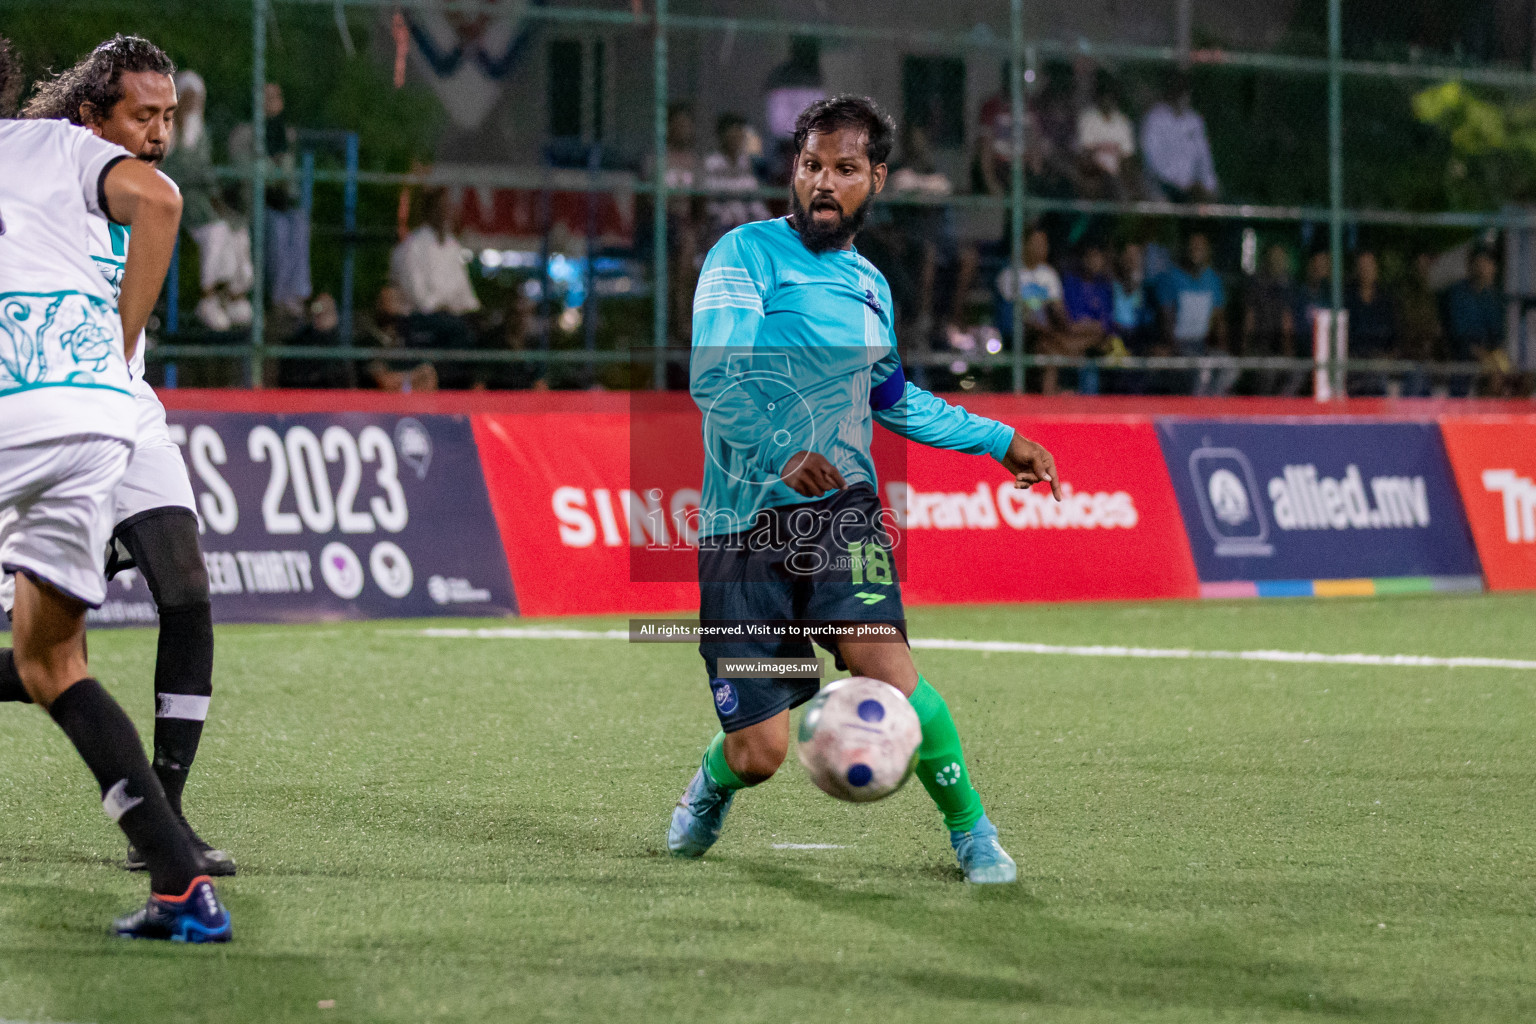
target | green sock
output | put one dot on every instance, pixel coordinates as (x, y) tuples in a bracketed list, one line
[(941, 762), (715, 765)]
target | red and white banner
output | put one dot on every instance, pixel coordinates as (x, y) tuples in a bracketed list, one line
[(1494, 460), (971, 536), (584, 535)]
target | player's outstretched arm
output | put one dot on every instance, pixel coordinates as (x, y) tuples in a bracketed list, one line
[(918, 415), (144, 199)]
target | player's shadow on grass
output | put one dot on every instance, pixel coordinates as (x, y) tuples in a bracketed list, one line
[(1006, 930)]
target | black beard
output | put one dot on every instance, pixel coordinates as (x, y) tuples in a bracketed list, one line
[(833, 236)]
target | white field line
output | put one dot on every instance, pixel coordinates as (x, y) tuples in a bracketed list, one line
[(785, 846), (1069, 650)]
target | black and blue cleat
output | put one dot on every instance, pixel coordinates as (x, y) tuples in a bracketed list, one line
[(194, 916)]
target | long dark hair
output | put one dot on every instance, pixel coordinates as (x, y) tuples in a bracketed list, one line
[(10, 77), (97, 79)]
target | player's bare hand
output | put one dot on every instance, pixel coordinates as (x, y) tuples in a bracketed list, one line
[(1030, 463), (810, 474)]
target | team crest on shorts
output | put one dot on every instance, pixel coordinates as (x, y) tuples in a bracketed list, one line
[(726, 699)]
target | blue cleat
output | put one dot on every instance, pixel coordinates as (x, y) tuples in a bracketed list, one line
[(981, 858), (699, 816), (195, 916)]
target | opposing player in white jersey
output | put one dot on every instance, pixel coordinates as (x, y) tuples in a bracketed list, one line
[(67, 431), (124, 92)]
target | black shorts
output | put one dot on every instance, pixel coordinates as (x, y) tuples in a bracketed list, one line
[(824, 563)]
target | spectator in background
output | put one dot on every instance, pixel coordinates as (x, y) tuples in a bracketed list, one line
[(1175, 151), (1421, 335), (1036, 295), (928, 237), (1314, 295), (1088, 294), (993, 157), (222, 237), (386, 332), (515, 335), (1372, 325), (320, 330), (1105, 142), (683, 216), (1474, 319), (790, 88), (287, 244), (732, 168), (1134, 315), (430, 276), (1055, 112), (1269, 321), (1191, 304)]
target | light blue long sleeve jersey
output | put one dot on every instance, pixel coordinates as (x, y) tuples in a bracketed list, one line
[(795, 351)]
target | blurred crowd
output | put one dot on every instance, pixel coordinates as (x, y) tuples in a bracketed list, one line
[(1090, 286)]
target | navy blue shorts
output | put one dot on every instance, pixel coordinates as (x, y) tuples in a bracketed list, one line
[(826, 563)]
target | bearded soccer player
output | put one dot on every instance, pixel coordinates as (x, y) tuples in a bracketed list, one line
[(123, 92), (67, 430), (794, 356)]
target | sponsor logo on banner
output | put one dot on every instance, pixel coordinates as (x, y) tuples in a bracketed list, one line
[(334, 516), (1290, 501), (1004, 506), (1494, 458)]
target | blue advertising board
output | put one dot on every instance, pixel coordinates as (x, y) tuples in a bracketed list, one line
[(1279, 505), (334, 516)]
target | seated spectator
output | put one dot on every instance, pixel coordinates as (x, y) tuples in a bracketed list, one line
[(1036, 295), (1175, 151), (1105, 142), (928, 237), (1372, 325), (1269, 321), (514, 336), (1421, 335), (992, 160), (1055, 112), (429, 270), (212, 219), (1191, 303), (1133, 313), (732, 168), (1088, 294), (385, 332), (1475, 324), (1313, 295), (684, 213), (319, 331)]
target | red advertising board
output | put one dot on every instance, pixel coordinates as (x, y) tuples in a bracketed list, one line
[(583, 536), (970, 535), (569, 519), (1494, 460)]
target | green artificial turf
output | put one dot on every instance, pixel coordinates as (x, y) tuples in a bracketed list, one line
[(473, 830)]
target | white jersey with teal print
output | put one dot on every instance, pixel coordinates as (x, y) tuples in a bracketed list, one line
[(796, 351), (109, 251), (62, 371)]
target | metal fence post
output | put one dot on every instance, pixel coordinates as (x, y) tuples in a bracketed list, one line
[(1336, 183), (661, 291), (258, 187), (1016, 187)]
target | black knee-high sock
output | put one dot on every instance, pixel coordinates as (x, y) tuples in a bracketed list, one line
[(183, 685), (130, 793), (164, 546), (10, 680)]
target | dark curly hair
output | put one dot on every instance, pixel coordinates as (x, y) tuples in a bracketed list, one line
[(849, 111), (97, 79), (10, 77)]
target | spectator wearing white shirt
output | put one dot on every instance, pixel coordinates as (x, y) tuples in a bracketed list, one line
[(1105, 142), (730, 169), (1175, 149), (429, 270)]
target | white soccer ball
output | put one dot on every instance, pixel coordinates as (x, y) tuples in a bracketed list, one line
[(859, 739)]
